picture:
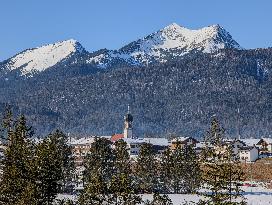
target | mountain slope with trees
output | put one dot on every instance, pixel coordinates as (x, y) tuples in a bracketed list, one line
[(176, 97)]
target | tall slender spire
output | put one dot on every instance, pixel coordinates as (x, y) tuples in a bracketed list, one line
[(128, 124)]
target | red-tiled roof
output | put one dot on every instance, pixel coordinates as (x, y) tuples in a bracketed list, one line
[(116, 137)]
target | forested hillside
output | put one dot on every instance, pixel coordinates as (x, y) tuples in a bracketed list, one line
[(176, 97)]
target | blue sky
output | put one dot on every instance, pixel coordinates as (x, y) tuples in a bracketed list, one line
[(113, 23)]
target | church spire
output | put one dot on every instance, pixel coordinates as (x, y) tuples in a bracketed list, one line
[(128, 109), (128, 124)]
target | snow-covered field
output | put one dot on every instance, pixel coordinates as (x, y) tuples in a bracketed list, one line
[(258, 195), (253, 196)]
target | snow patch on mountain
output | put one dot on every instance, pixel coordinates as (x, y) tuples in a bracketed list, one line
[(40, 58)]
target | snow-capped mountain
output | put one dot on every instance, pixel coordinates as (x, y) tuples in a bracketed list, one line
[(167, 43), (39, 59)]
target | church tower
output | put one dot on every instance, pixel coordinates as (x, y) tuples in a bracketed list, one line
[(128, 124)]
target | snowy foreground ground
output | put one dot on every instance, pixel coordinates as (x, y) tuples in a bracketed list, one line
[(253, 195)]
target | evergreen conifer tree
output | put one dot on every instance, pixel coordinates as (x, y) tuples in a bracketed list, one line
[(165, 171), (146, 170), (215, 134), (96, 191), (66, 158), (122, 187), (32, 172), (221, 172), (192, 172), (99, 170), (177, 169), (17, 178), (49, 171)]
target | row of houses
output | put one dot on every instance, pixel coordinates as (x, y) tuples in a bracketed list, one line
[(247, 150), (82, 146)]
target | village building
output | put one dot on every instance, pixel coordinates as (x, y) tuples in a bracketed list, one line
[(234, 146), (199, 147), (251, 142), (128, 120), (159, 144), (265, 145), (80, 149), (244, 151), (134, 143), (116, 137), (183, 141), (249, 153)]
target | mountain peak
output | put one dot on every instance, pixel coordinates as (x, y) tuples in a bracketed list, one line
[(168, 43), (215, 29), (71, 44), (219, 38), (172, 26), (40, 58), (216, 26)]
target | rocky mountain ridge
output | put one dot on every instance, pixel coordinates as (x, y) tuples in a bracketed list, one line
[(169, 43)]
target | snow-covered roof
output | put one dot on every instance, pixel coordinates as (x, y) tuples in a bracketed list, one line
[(182, 139), (82, 141), (267, 140), (86, 140), (133, 141), (251, 141), (154, 141), (157, 141), (200, 145), (116, 137), (106, 137), (233, 141), (248, 148)]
